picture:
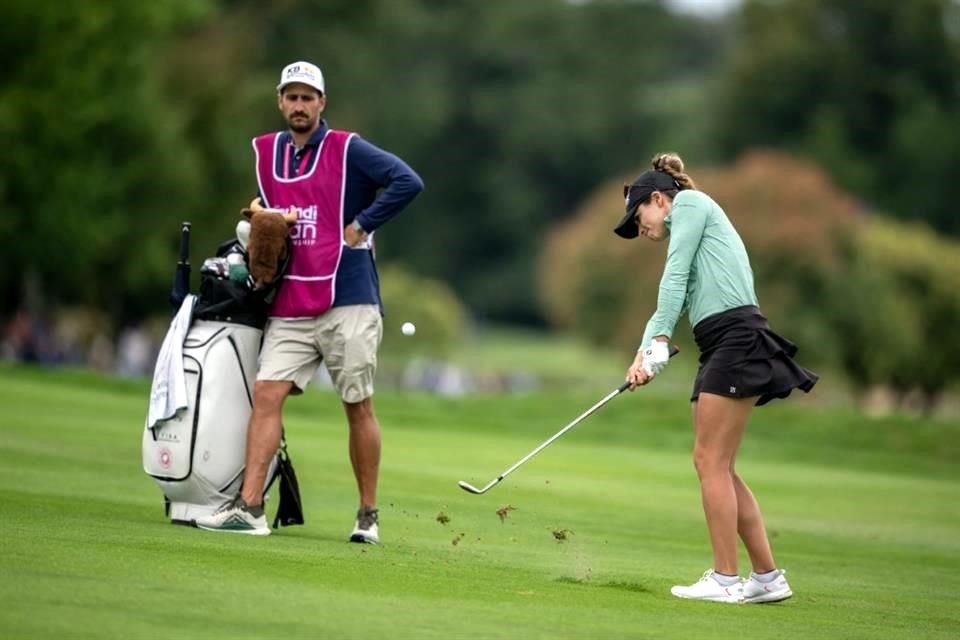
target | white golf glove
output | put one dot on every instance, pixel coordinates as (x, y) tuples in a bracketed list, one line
[(655, 357)]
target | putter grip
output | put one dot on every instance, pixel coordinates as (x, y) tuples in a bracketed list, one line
[(184, 242), (674, 350)]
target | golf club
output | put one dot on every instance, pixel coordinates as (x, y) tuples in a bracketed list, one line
[(469, 488), (181, 277)]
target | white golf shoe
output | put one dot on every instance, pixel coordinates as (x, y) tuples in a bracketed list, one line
[(234, 516), (707, 588), (755, 591), (366, 528)]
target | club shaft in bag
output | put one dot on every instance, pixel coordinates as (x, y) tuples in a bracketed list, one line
[(469, 488), (181, 277), (184, 243)]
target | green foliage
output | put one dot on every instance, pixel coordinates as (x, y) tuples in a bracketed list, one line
[(597, 291), (871, 90), (874, 323), (127, 118), (922, 271), (510, 111), (100, 161)]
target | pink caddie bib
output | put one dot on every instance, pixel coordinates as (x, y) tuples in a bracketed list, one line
[(317, 239)]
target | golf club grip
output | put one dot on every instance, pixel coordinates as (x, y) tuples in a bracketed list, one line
[(184, 242), (674, 350)]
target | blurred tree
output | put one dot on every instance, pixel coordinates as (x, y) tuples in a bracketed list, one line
[(509, 111), (876, 322), (869, 89), (923, 271), (98, 163)]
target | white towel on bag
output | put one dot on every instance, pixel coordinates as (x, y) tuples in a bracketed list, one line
[(168, 394)]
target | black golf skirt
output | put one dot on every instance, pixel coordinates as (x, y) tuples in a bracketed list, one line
[(741, 357)]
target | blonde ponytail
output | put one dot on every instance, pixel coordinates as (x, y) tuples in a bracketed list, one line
[(672, 165)]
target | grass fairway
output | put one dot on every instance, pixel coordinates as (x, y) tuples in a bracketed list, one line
[(864, 514)]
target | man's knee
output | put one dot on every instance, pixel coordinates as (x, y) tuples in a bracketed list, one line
[(268, 395), (359, 411)]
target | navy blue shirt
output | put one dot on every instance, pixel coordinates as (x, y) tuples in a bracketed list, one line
[(369, 169)]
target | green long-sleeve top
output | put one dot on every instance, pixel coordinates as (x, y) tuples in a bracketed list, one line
[(707, 269)]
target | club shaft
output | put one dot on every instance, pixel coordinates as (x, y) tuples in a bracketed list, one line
[(574, 423), (623, 387)]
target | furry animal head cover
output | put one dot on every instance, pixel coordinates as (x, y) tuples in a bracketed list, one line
[(268, 240)]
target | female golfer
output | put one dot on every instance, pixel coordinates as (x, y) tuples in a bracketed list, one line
[(742, 363)]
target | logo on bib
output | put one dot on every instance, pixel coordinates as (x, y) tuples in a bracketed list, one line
[(305, 231)]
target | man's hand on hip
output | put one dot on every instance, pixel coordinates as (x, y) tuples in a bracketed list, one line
[(354, 235)]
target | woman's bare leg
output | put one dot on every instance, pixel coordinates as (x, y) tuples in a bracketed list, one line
[(750, 527), (719, 423)]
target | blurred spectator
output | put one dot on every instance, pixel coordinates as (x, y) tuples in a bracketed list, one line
[(27, 338), (135, 352), (102, 354)]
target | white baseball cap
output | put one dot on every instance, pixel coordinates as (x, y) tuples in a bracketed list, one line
[(304, 72)]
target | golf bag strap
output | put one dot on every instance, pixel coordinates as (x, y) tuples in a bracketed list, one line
[(290, 507)]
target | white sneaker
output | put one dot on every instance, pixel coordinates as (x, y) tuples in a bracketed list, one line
[(365, 529), (774, 591), (234, 516), (707, 588)]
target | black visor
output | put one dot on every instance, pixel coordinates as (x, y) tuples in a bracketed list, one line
[(638, 192)]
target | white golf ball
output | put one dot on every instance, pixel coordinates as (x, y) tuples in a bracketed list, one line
[(408, 329)]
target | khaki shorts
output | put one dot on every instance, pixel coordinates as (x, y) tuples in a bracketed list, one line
[(345, 338)]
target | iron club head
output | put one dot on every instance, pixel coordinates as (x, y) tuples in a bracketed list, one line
[(469, 488)]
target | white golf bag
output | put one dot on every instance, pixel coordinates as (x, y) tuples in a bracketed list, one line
[(197, 455)]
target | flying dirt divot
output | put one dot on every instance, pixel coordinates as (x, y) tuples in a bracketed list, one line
[(561, 534)]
